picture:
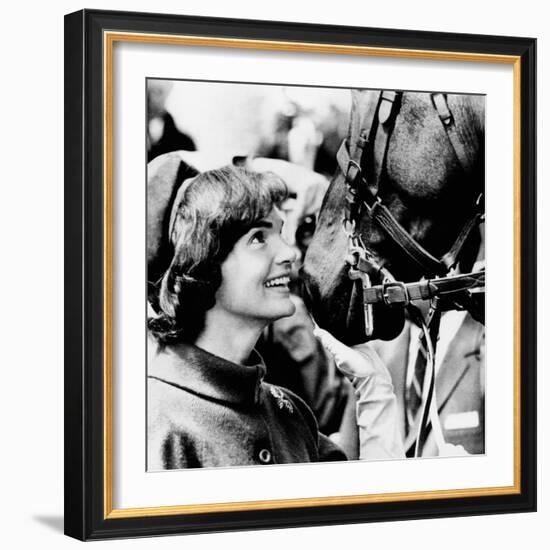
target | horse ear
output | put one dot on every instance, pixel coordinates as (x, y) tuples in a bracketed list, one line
[(165, 175)]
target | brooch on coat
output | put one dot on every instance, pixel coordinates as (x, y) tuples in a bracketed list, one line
[(282, 401)]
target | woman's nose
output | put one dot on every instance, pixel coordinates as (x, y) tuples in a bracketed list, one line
[(285, 253)]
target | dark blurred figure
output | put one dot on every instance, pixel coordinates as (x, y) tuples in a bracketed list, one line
[(333, 129), (277, 148), (309, 137), (162, 134)]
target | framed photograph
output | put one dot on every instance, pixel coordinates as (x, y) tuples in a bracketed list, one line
[(300, 274)]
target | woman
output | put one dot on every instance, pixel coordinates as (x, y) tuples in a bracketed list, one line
[(207, 402)]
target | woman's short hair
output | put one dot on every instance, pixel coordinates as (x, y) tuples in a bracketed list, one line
[(211, 212)]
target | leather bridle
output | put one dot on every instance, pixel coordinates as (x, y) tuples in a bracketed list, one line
[(362, 197), (363, 176)]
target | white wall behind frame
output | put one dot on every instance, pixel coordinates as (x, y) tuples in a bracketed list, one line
[(32, 142)]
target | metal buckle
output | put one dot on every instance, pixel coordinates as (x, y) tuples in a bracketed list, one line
[(349, 227), (355, 274), (356, 166), (355, 253), (395, 293), (369, 207)]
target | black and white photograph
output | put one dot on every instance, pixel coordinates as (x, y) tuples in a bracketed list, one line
[(315, 274), (271, 275)]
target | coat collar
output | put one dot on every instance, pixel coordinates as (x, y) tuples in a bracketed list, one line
[(194, 369)]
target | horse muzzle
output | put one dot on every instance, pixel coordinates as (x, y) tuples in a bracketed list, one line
[(340, 309)]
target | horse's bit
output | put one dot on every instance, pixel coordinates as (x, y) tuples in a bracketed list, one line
[(363, 176)]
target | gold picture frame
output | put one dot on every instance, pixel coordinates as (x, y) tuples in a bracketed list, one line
[(91, 37)]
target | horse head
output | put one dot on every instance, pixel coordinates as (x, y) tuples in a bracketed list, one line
[(422, 156)]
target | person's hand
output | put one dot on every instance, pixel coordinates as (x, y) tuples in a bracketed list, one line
[(376, 405), (360, 361)]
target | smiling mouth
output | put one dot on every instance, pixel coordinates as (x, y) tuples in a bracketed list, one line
[(280, 282)]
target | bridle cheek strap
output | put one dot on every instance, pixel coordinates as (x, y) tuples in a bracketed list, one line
[(399, 235), (380, 213), (459, 136)]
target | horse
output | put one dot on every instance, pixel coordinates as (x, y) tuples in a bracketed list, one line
[(398, 226), (399, 214)]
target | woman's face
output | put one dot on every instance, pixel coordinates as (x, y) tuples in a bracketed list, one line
[(256, 274)]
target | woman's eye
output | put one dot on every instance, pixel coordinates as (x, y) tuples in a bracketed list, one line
[(258, 238)]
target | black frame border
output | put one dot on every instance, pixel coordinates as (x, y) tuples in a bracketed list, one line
[(84, 257)]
